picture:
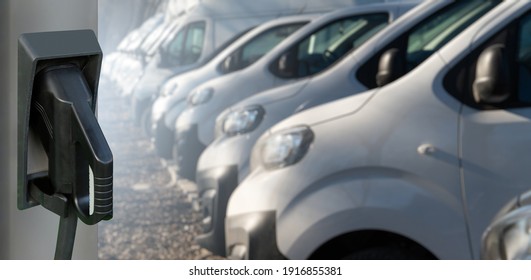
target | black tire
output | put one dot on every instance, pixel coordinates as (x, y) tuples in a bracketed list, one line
[(384, 253)]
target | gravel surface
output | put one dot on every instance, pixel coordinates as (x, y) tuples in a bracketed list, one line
[(153, 216)]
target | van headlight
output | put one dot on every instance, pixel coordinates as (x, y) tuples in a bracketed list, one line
[(242, 121), (283, 148), (200, 96), (509, 237)]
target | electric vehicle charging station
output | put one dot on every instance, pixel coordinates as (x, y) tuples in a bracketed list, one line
[(57, 84), (32, 233)]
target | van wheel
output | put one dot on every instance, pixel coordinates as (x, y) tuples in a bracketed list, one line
[(383, 253), (145, 123)]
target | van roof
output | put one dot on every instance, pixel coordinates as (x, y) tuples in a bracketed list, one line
[(232, 8)]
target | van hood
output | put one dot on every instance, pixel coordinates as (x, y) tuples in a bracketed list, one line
[(186, 82), (154, 78), (327, 112), (224, 80), (274, 95), (186, 75)]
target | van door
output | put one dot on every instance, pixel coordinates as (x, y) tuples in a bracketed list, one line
[(495, 126)]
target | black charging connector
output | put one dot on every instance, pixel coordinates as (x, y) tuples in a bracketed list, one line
[(57, 103), (80, 160)]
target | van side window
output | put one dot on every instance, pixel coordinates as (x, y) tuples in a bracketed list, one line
[(327, 45), (185, 47), (426, 38), (515, 40), (255, 48), (524, 61), (172, 54), (193, 46)]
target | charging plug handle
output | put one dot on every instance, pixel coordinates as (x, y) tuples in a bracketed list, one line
[(80, 160)]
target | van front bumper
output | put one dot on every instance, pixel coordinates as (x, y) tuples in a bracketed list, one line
[(252, 236), (187, 151), (141, 104), (215, 187), (163, 139)]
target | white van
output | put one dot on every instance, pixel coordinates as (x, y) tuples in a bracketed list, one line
[(238, 55), (311, 50), (225, 162), (416, 169), (206, 27), (132, 66), (128, 45), (508, 236)]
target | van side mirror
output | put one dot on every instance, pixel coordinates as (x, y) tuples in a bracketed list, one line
[(390, 67), (491, 84), (287, 64), (230, 64)]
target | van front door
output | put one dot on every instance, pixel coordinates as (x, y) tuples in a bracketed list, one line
[(496, 136)]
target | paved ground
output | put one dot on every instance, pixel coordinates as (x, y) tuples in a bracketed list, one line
[(153, 216)]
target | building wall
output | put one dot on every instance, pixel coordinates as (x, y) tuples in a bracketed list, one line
[(32, 233)]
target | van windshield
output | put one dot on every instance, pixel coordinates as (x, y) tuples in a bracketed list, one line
[(330, 43), (258, 46), (436, 31), (226, 44), (185, 47)]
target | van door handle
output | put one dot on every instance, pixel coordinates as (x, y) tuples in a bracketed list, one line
[(426, 149)]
